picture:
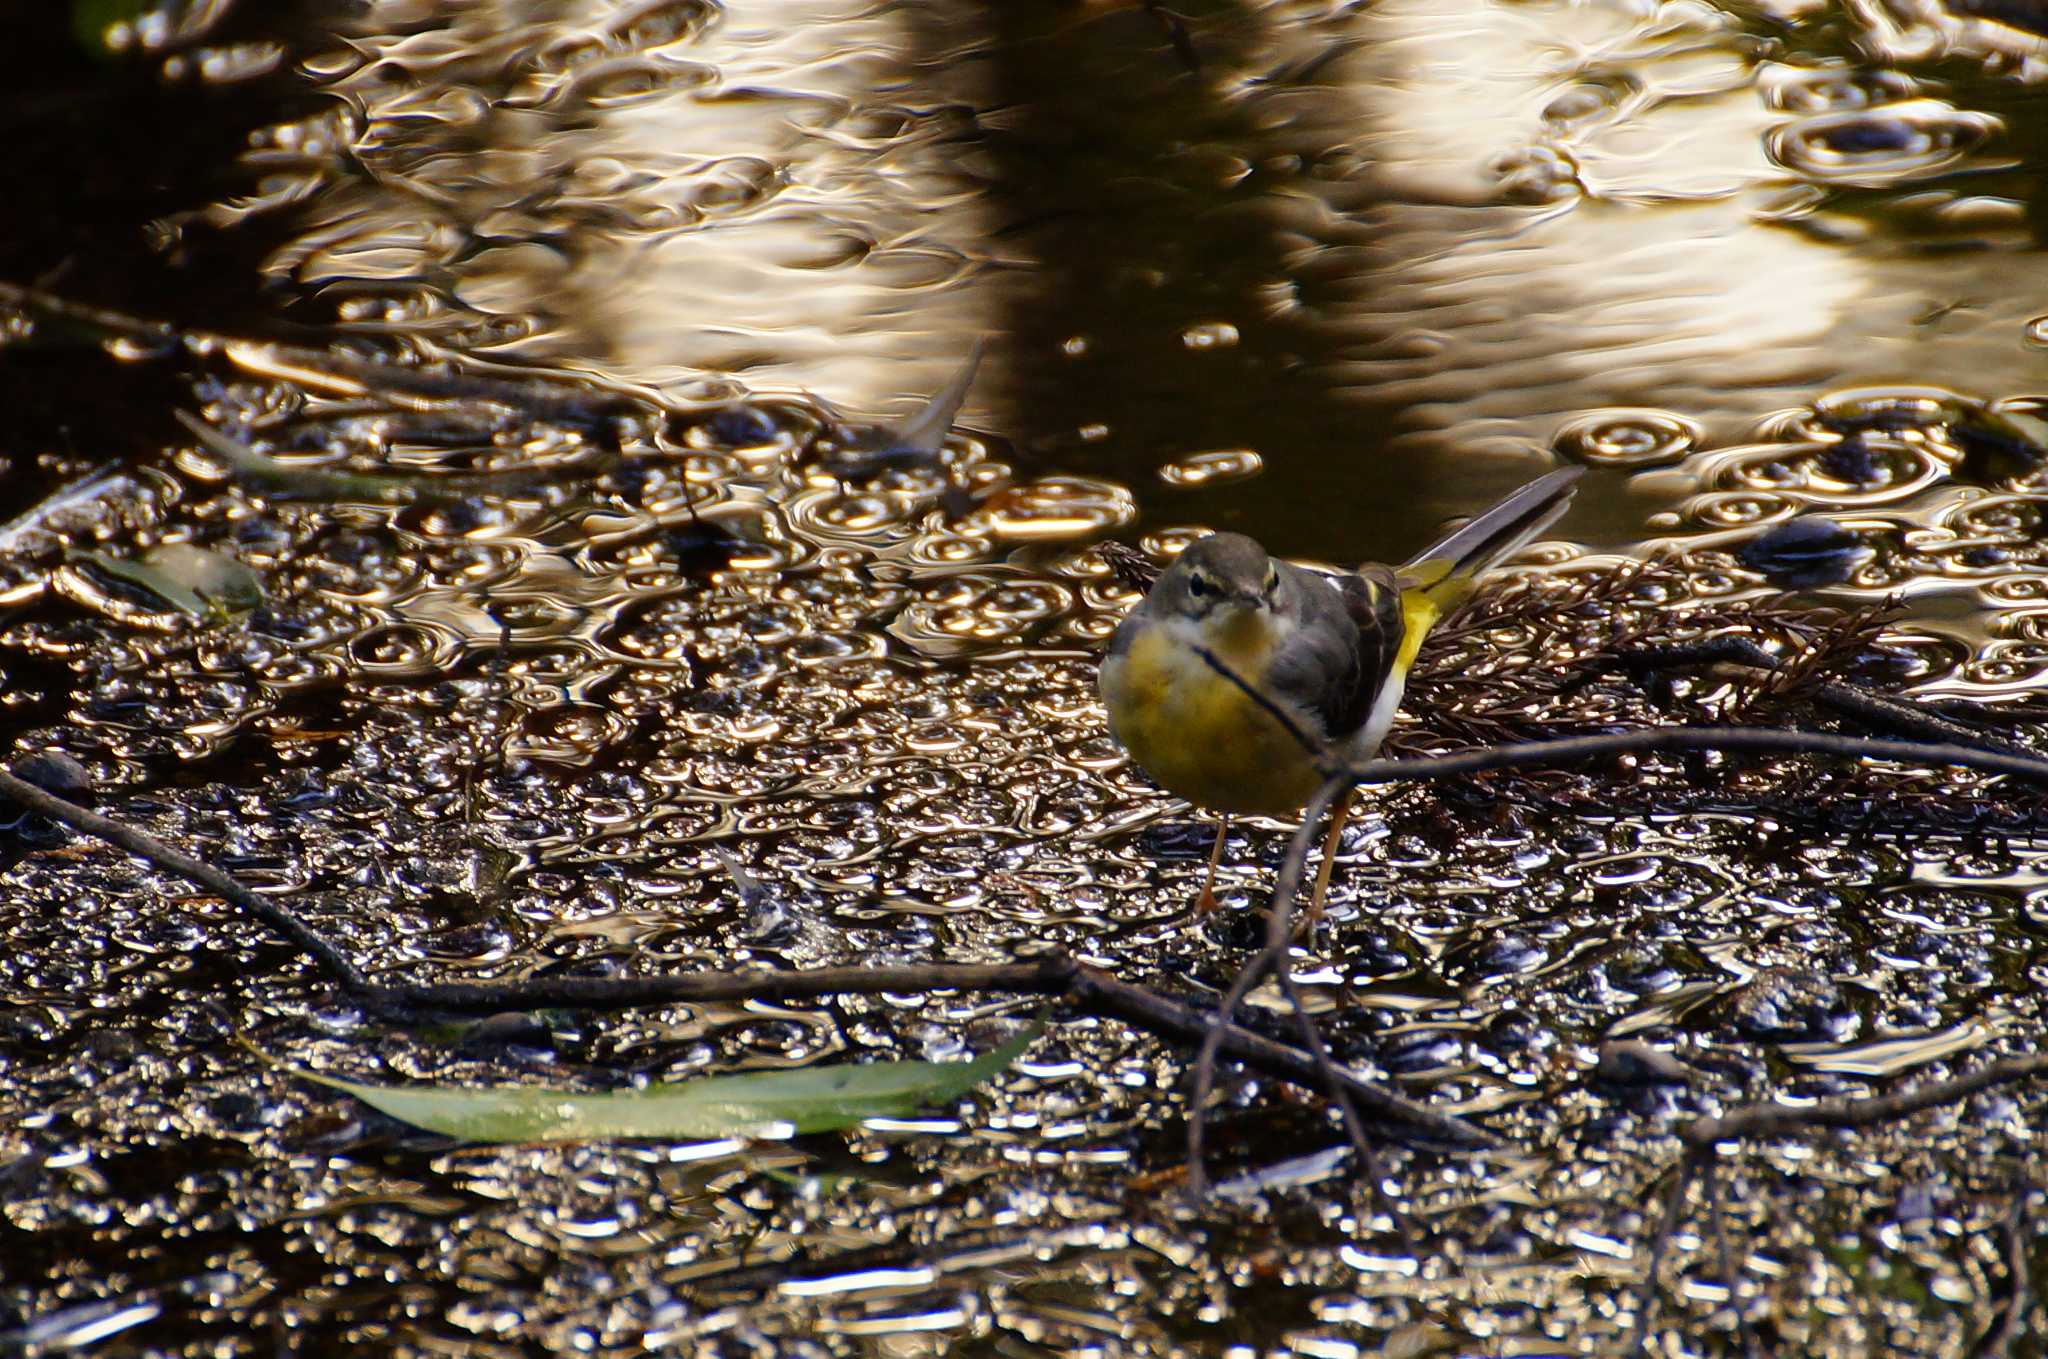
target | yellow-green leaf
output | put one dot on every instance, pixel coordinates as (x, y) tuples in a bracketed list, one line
[(753, 1104)]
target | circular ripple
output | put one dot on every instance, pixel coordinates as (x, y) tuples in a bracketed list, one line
[(573, 734), (1856, 468), (1053, 508), (1881, 145), (1739, 509), (1628, 437), (1894, 410), (404, 651), (1840, 90)]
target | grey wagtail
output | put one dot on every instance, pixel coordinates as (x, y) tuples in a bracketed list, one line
[(1331, 652)]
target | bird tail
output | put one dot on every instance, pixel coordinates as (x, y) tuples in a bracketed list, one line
[(1441, 576), (1447, 568)]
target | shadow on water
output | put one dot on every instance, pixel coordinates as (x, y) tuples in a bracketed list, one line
[(1154, 213)]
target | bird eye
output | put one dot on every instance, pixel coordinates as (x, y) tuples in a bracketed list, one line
[(1197, 586)]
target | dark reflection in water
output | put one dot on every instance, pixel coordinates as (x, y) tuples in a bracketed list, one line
[(713, 685), (1371, 246)]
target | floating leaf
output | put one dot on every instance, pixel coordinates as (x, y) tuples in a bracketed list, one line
[(1804, 553), (290, 481), (917, 440), (753, 1104), (192, 580)]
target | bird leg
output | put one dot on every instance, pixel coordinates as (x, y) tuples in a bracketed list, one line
[(1338, 816), (1205, 900)]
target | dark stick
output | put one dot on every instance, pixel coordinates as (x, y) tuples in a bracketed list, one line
[(1702, 1137), (1881, 710), (1650, 740), (1089, 988), (1318, 749), (1052, 975), (1711, 1172), (1912, 720), (1996, 1342), (1646, 1292), (1354, 1126), (1644, 741), (1100, 993), (148, 847), (1279, 937), (1767, 1120)]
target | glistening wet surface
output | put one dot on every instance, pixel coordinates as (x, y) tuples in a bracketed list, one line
[(623, 295)]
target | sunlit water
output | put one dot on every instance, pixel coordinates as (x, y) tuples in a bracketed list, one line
[(1360, 271)]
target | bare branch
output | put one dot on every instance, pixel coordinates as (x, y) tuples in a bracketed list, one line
[(1652, 740), (1667, 1221), (1088, 988), (1769, 1120), (1248, 976), (2010, 1322), (148, 847)]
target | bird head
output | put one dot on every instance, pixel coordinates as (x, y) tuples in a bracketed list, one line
[(1220, 575)]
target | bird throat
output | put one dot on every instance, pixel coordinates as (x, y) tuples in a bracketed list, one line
[(1243, 639)]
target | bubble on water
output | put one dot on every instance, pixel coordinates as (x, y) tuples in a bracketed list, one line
[(1053, 508), (1212, 469), (1738, 509), (1838, 89), (1857, 467), (1591, 100), (1209, 335), (1806, 552), (1628, 437)]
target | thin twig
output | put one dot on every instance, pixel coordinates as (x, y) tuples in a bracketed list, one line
[(1643, 741), (1100, 993), (1655, 740), (1915, 721), (1702, 1138), (1717, 1212), (145, 846), (1279, 938), (1769, 1120), (1088, 988), (2011, 1323), (1318, 749), (1052, 975), (1354, 1127), (1667, 1221)]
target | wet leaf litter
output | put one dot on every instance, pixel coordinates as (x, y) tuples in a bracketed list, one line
[(496, 734)]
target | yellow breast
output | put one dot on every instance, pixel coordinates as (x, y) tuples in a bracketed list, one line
[(1199, 735)]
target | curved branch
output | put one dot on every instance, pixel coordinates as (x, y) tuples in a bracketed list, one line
[(147, 847), (1652, 740)]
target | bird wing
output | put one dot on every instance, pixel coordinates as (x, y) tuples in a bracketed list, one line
[(1349, 634)]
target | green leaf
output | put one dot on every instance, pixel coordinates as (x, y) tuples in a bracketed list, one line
[(192, 580), (755, 1104), (288, 481)]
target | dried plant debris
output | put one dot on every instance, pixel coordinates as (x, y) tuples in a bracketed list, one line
[(1603, 649), (1606, 646)]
